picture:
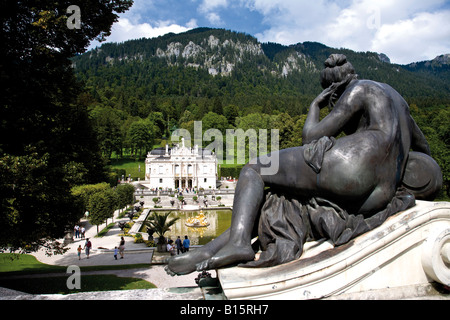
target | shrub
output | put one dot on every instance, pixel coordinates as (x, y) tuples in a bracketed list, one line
[(138, 238)]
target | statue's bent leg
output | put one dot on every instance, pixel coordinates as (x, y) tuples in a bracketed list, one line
[(248, 198), (226, 249), (234, 245)]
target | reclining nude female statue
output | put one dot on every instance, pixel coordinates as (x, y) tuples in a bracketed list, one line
[(334, 188)]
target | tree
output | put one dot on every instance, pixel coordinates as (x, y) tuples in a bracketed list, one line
[(212, 120), (217, 106), (124, 195), (141, 135), (22, 195), (46, 139), (159, 224), (156, 200), (219, 124), (296, 139), (231, 112), (83, 193), (101, 206), (107, 125)]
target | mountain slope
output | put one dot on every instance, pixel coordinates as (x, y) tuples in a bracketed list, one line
[(208, 63)]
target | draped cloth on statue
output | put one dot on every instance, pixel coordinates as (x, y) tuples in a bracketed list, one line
[(286, 223)]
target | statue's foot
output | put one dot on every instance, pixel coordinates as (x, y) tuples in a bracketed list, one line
[(186, 263), (229, 254)]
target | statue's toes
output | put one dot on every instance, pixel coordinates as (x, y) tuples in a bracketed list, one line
[(169, 272), (202, 265)]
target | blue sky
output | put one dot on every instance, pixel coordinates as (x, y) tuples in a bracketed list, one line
[(405, 30)]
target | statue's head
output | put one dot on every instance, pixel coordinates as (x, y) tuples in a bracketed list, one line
[(337, 68)]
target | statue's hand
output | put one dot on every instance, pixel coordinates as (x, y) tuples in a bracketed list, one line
[(324, 97), (333, 91)]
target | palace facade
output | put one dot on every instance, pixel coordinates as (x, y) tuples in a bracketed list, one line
[(181, 167)]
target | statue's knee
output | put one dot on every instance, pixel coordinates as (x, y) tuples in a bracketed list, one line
[(251, 172), (423, 176), (249, 169)]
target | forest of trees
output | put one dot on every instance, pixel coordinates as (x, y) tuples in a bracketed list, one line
[(137, 98), (47, 141)]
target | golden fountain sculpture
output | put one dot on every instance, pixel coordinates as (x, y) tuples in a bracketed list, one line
[(199, 221)]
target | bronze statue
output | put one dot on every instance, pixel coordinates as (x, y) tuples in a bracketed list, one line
[(330, 187)]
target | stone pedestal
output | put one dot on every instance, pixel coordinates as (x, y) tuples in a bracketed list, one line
[(68, 238), (410, 249)]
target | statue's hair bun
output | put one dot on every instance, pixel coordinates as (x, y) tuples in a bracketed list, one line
[(335, 59)]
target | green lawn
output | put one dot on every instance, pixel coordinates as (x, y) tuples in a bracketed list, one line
[(25, 263), (19, 264), (13, 264), (130, 166), (58, 285)]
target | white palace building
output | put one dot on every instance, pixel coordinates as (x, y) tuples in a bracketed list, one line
[(181, 167)]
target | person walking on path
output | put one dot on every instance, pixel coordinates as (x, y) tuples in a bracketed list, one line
[(87, 247), (186, 244), (179, 245), (79, 252), (77, 231), (116, 251), (121, 247)]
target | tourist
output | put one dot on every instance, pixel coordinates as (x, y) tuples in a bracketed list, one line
[(179, 245), (77, 231), (171, 248), (121, 247), (83, 232), (79, 252), (186, 244), (87, 247), (116, 251)]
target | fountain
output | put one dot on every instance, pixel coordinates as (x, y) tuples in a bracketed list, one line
[(198, 221)]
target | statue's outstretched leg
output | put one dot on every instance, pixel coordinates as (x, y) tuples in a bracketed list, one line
[(186, 263), (248, 199)]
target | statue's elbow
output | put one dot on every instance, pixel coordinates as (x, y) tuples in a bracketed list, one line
[(307, 136)]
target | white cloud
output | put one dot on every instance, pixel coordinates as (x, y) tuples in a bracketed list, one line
[(406, 30), (124, 30), (292, 21), (423, 37), (192, 24), (210, 5), (214, 18)]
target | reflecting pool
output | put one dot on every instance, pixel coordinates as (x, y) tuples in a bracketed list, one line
[(219, 221)]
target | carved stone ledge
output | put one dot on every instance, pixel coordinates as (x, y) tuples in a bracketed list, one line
[(410, 248)]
